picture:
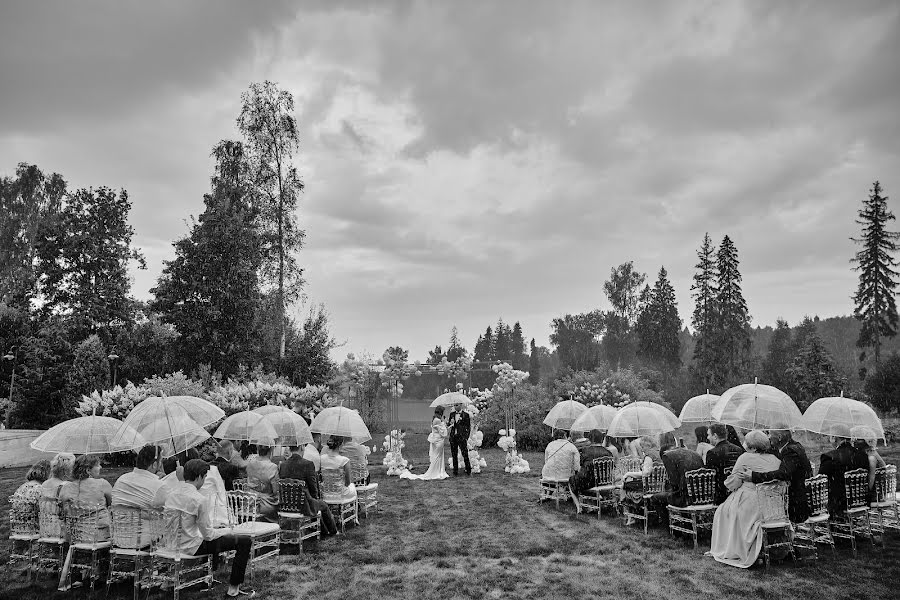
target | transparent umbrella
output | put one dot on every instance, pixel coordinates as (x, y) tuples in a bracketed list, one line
[(564, 413), (247, 425), (832, 416), (450, 399), (345, 422), (161, 424), (699, 409), (595, 417), (642, 418), (84, 435), (757, 406), (290, 428)]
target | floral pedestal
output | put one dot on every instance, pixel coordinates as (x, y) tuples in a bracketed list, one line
[(393, 459), (514, 462)]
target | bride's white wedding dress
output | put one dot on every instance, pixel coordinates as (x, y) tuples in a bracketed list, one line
[(437, 469)]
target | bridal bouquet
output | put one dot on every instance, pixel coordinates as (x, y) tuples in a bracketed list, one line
[(514, 462), (393, 458)]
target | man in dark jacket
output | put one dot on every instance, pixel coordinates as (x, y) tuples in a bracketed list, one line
[(677, 462), (583, 480), (227, 469), (835, 463), (297, 467), (721, 457), (460, 426), (794, 468)]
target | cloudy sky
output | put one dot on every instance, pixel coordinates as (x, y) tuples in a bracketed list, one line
[(466, 161)]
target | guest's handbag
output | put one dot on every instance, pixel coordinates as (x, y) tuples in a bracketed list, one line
[(634, 489)]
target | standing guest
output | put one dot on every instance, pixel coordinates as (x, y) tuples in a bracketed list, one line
[(88, 490), (262, 478), (794, 468), (227, 469), (24, 501), (61, 467), (297, 467), (196, 536), (584, 480), (721, 457), (332, 459), (357, 454), (312, 452), (737, 536), (835, 463), (677, 460), (703, 445), (138, 488)]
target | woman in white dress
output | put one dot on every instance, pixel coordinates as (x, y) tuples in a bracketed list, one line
[(736, 534), (437, 468)]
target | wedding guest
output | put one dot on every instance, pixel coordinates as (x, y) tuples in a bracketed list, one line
[(223, 462), (835, 463), (173, 469), (794, 468), (331, 459), (297, 467), (138, 488), (24, 501), (612, 445), (875, 460), (87, 491), (61, 467), (561, 458), (703, 445), (733, 436), (633, 481), (262, 478), (196, 535), (584, 480), (677, 460), (312, 452), (357, 454), (737, 536), (721, 457)]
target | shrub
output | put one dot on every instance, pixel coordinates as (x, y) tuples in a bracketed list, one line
[(90, 369), (234, 396), (173, 384), (116, 403)]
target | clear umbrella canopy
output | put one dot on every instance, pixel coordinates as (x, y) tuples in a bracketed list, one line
[(595, 417), (834, 416), (564, 413), (699, 409), (450, 399), (757, 406), (338, 420), (84, 435), (290, 428), (247, 425), (642, 418), (161, 424)]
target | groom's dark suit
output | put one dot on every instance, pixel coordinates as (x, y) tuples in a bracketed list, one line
[(460, 428)]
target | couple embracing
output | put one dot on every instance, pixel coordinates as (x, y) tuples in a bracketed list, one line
[(457, 427)]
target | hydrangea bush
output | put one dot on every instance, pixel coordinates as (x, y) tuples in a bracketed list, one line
[(115, 403), (235, 397)]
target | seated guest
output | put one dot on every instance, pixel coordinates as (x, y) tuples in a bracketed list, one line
[(721, 457), (561, 458), (584, 480), (331, 459), (173, 467), (312, 452), (794, 468), (835, 463), (138, 488), (297, 467), (87, 491), (24, 501), (875, 460), (703, 445), (633, 481), (239, 455), (60, 472), (613, 446), (737, 536), (223, 462), (677, 460), (357, 454), (733, 436), (262, 478), (196, 534)]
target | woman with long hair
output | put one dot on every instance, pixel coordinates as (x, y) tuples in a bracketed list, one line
[(87, 491)]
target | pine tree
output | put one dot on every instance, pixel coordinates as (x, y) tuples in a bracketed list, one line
[(502, 342), (455, 350), (534, 365), (778, 356), (659, 325), (644, 329), (812, 372), (484, 348), (875, 305), (517, 345), (703, 319), (732, 338)]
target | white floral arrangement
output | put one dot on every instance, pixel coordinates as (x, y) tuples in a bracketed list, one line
[(115, 403), (507, 377), (611, 395), (514, 462), (236, 397), (473, 444), (393, 458)]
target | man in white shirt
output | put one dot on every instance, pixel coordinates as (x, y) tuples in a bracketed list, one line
[(197, 535), (561, 459), (138, 488), (311, 452)]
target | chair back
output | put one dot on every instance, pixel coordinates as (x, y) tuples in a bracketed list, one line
[(166, 531), (292, 495), (83, 523), (604, 470), (817, 495), (655, 482), (242, 506), (885, 483), (23, 519), (700, 486), (626, 464), (773, 501), (358, 473), (856, 486), (50, 524), (130, 527), (239, 483), (333, 482)]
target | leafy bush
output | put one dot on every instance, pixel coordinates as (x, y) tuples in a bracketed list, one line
[(532, 403), (90, 369)]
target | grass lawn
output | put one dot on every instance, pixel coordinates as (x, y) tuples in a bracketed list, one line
[(485, 536)]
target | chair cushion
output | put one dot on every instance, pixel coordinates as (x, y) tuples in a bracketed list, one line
[(693, 507), (887, 504), (171, 555), (51, 540), (129, 552), (775, 524), (253, 528), (602, 488), (366, 488), (818, 518), (23, 537), (95, 546), (293, 515)]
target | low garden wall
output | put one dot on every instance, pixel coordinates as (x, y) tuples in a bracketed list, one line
[(15, 450)]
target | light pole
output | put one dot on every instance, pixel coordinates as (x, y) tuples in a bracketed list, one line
[(9, 356), (113, 358)]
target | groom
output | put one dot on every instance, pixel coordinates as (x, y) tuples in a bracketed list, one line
[(459, 437)]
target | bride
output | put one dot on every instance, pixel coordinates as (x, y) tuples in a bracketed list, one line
[(437, 469)]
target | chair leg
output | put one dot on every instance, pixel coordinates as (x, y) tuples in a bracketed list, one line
[(694, 531)]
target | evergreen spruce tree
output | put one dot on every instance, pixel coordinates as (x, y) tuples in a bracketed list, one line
[(502, 346), (703, 319), (517, 345), (812, 373), (659, 325), (455, 350), (644, 327), (779, 356), (732, 338), (484, 348), (534, 364), (875, 304)]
